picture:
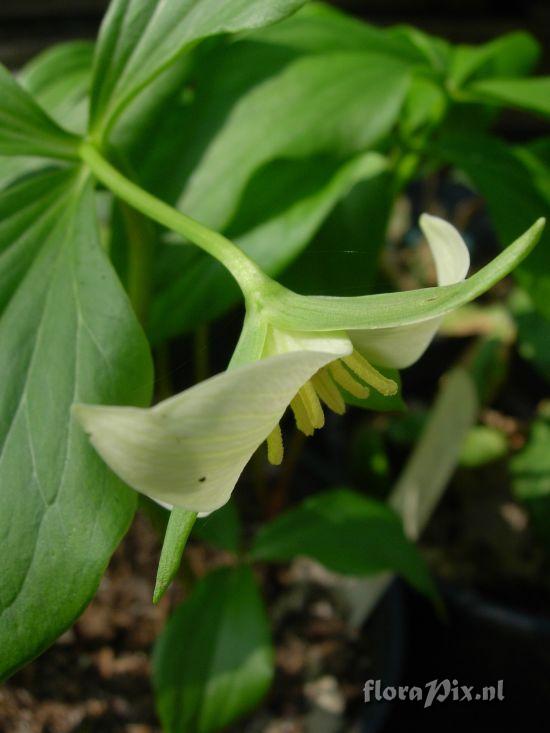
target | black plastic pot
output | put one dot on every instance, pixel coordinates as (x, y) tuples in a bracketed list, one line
[(480, 642)]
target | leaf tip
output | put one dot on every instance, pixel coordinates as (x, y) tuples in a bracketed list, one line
[(160, 589)]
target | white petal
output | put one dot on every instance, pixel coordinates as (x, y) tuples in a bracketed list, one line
[(190, 450), (401, 346), (452, 259)]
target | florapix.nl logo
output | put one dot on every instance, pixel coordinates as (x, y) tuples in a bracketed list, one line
[(433, 692)]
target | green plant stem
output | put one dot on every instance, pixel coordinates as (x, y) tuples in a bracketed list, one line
[(247, 274), (140, 259)]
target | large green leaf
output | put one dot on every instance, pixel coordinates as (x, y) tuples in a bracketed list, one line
[(531, 94), (58, 79), (281, 209), (347, 533), (214, 660), (67, 333), (516, 194), (336, 104), (25, 129), (320, 28), (139, 39)]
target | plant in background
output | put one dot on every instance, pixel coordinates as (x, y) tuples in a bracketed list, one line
[(278, 128)]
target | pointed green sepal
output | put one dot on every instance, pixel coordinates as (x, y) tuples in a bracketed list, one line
[(178, 530), (388, 310)]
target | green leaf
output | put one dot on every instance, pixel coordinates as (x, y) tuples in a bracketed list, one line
[(514, 54), (336, 104), (533, 330), (282, 207), (432, 49), (213, 662), (344, 255), (530, 471), (67, 333), (25, 129), (531, 94), (59, 80), (436, 451), (424, 108), (177, 533), (221, 529), (320, 28), (139, 39), (515, 197), (347, 533), (483, 445)]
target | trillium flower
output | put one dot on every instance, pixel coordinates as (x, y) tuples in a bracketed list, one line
[(189, 451)]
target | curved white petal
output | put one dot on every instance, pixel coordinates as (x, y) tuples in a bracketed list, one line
[(401, 346), (189, 450), (452, 259)]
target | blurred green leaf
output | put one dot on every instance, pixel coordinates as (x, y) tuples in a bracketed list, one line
[(532, 94), (336, 104), (221, 529), (511, 55), (533, 331), (514, 198), (487, 364), (483, 445), (59, 80), (425, 106), (68, 334), (434, 50), (214, 661), (322, 28), (530, 471), (139, 39), (347, 533), (344, 255), (369, 459)]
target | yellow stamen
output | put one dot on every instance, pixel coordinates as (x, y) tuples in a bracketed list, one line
[(303, 422), (341, 375), (275, 448), (312, 405), (329, 392), (370, 375)]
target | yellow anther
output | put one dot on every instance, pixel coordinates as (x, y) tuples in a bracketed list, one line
[(275, 448), (303, 422), (341, 375), (329, 392), (313, 406), (370, 375)]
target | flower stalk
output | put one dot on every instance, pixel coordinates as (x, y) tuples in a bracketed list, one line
[(247, 274)]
